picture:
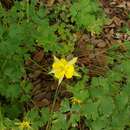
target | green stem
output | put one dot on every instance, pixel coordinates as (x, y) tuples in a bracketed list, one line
[(27, 11), (48, 127), (38, 65), (5, 62)]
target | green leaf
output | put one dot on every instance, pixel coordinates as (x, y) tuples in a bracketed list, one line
[(99, 124), (106, 106), (121, 119), (44, 115), (125, 67), (126, 88), (13, 91), (46, 37), (74, 119), (34, 116), (99, 87), (59, 122), (90, 110), (13, 68), (65, 106), (121, 100), (13, 111), (88, 14)]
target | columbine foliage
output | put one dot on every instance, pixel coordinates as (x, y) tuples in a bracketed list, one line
[(21, 28), (88, 15)]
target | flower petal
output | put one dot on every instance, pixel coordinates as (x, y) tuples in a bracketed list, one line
[(77, 74), (60, 80), (59, 74), (73, 61), (51, 72), (63, 61), (58, 65), (69, 71), (56, 59)]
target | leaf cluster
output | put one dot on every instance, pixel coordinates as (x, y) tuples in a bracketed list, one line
[(88, 15)]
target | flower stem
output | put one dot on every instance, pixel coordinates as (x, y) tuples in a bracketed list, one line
[(27, 11), (48, 127)]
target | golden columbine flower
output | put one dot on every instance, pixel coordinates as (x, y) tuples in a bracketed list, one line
[(24, 125), (63, 68), (75, 101)]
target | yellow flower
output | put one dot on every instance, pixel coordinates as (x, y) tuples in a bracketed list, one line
[(24, 125), (63, 68), (75, 101)]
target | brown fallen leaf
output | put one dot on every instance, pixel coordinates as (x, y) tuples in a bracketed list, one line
[(117, 21), (7, 3), (128, 5), (38, 56), (100, 43), (105, 3), (50, 3), (42, 103)]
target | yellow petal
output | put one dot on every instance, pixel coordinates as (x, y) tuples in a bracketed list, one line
[(63, 61), (76, 101), (56, 59), (57, 65), (76, 74), (51, 72), (24, 124), (60, 80), (73, 61), (69, 71), (59, 74)]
